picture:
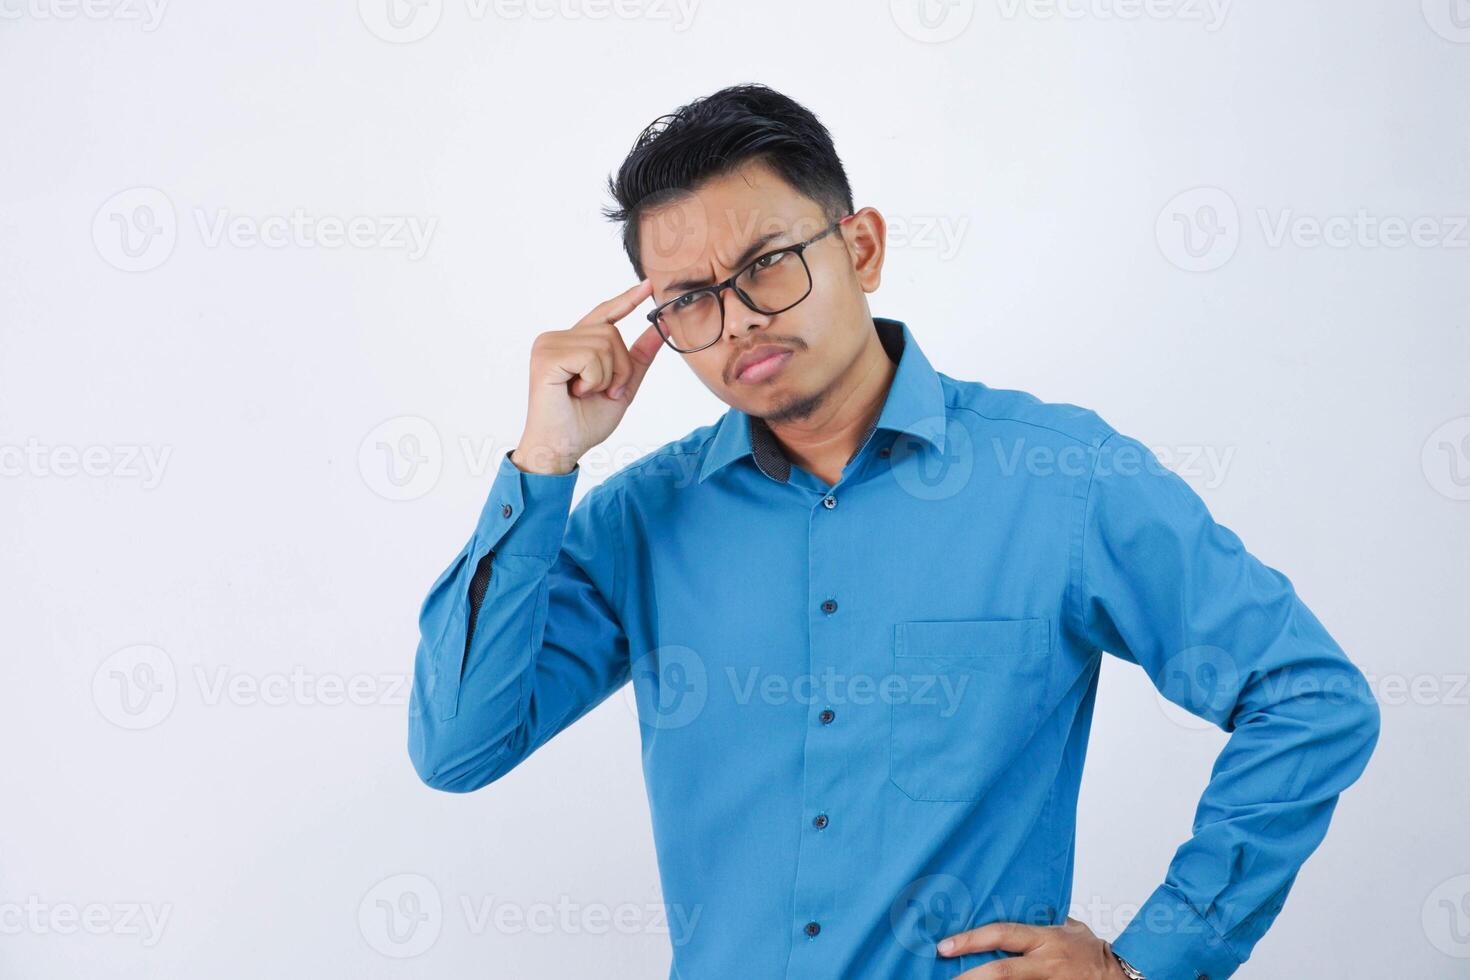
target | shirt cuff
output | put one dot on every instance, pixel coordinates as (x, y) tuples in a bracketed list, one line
[(526, 513), (1168, 939)]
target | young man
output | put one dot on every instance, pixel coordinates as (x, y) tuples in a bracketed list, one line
[(863, 612)]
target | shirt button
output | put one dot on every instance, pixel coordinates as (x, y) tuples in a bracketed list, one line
[(830, 606), (820, 821), (826, 716), (812, 928), (829, 501), (884, 452), (505, 510)]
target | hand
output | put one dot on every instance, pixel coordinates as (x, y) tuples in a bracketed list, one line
[(582, 381), (1066, 952)]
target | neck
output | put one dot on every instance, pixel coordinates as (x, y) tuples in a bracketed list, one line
[(823, 440)]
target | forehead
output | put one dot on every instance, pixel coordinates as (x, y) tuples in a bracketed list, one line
[(711, 227)]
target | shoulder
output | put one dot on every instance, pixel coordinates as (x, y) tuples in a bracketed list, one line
[(991, 412), (669, 466)]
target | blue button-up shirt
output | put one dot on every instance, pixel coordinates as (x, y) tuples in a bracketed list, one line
[(865, 706)]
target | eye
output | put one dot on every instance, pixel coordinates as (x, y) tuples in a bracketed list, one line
[(767, 261)]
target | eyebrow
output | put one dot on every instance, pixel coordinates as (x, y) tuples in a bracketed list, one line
[(751, 251)]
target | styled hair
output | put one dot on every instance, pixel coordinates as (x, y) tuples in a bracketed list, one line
[(715, 135)]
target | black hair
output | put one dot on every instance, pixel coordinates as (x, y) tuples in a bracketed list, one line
[(715, 135)]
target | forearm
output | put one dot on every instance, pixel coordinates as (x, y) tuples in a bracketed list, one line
[(479, 628), (1302, 730), (1226, 637)]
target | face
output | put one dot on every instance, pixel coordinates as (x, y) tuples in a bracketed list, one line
[(710, 234)]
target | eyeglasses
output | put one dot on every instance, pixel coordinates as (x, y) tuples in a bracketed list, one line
[(770, 283)]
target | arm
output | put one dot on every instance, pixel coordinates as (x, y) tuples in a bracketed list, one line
[(1162, 585), (517, 636)]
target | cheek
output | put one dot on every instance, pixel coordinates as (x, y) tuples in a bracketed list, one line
[(708, 367)]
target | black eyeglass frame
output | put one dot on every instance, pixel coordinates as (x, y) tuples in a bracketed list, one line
[(719, 288)]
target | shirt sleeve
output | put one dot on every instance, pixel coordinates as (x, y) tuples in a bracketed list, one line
[(1225, 637), (518, 638)]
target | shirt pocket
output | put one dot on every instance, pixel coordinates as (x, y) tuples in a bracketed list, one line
[(969, 697)]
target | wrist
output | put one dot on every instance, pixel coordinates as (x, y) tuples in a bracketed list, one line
[(542, 460), (1125, 969)]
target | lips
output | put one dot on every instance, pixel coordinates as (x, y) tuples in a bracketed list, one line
[(762, 361)]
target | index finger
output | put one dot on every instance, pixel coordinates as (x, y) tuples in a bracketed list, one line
[(613, 310), (1013, 937)]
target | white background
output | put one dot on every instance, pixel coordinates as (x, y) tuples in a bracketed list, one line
[(1029, 159)]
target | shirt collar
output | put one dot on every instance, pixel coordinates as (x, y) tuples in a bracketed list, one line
[(914, 404)]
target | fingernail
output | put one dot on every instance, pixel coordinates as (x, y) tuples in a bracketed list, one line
[(618, 391), (946, 945)]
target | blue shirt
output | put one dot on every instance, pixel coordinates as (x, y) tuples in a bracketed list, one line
[(865, 706)]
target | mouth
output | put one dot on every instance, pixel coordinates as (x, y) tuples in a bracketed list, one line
[(762, 363)]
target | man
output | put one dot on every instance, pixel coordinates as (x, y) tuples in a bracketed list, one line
[(864, 611)]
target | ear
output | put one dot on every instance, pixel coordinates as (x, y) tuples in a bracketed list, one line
[(866, 234)]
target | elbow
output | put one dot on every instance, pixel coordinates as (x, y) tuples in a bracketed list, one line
[(449, 783), (431, 772), (452, 780), (1371, 722), (1358, 720), (437, 770)]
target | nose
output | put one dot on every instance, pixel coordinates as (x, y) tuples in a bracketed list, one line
[(740, 319)]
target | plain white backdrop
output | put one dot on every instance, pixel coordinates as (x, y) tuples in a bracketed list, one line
[(269, 276)]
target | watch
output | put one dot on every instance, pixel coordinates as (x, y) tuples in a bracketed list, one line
[(1129, 970)]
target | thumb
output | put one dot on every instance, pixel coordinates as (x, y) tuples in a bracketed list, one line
[(642, 353)]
